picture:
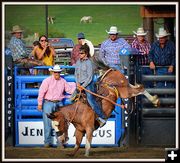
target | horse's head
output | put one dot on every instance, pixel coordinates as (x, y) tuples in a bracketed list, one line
[(60, 125)]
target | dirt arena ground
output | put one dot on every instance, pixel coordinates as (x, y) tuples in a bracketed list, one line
[(95, 153)]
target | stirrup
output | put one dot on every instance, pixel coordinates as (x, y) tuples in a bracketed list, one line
[(101, 122)]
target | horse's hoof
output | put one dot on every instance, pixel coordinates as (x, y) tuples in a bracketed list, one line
[(157, 103), (123, 148), (86, 155), (70, 154)]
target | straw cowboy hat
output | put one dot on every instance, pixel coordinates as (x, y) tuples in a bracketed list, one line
[(140, 32), (162, 33), (56, 68), (113, 30), (16, 28)]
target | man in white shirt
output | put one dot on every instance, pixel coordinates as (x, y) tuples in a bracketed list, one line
[(81, 37)]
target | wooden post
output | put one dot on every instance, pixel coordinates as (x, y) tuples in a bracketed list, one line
[(46, 16), (169, 26), (148, 25)]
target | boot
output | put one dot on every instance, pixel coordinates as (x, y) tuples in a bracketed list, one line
[(101, 121)]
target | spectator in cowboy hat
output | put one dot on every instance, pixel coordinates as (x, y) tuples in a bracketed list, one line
[(81, 41), (162, 53), (16, 44), (143, 46), (110, 49), (19, 51), (113, 30), (140, 32), (51, 94)]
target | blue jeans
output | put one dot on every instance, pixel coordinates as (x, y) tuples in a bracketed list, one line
[(147, 71), (164, 84), (92, 100), (49, 107)]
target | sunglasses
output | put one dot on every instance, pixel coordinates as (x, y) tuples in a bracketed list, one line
[(112, 34), (18, 32), (43, 40), (82, 53), (57, 72)]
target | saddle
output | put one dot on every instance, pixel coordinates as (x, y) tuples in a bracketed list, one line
[(79, 96), (101, 90)]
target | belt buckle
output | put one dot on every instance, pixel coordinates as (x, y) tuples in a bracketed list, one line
[(55, 101)]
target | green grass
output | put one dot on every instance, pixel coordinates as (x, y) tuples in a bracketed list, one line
[(67, 23)]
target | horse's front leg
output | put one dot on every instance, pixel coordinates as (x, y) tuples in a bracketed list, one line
[(79, 136), (89, 134)]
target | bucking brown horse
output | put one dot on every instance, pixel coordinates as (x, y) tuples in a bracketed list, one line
[(112, 85)]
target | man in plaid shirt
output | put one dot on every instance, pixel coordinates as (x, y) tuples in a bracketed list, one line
[(110, 49), (19, 51), (143, 47)]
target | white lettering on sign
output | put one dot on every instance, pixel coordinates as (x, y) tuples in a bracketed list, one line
[(9, 78), (9, 109), (104, 135), (33, 133)]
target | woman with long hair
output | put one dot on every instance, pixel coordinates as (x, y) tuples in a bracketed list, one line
[(44, 51)]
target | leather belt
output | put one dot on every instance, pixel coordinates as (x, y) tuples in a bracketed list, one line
[(54, 101)]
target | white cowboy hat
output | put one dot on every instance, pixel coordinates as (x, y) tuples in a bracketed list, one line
[(56, 68), (140, 32), (113, 30), (162, 33), (16, 28)]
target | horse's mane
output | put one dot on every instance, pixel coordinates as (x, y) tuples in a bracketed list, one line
[(65, 106)]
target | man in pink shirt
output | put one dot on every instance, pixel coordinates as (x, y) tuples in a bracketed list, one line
[(51, 94)]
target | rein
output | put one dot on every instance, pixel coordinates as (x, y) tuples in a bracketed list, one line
[(74, 113), (114, 88)]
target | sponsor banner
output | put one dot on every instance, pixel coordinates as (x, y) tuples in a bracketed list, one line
[(33, 133), (30, 132), (9, 97)]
